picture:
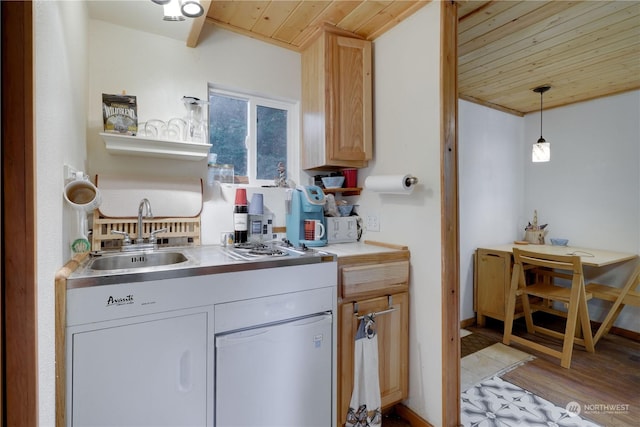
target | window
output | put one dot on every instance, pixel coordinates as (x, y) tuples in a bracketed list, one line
[(253, 133)]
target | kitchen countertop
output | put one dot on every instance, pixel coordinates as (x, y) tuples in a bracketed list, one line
[(201, 260), (211, 259), (343, 250)]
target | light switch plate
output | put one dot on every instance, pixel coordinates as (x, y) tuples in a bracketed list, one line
[(373, 222)]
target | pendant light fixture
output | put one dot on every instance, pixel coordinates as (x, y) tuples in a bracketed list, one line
[(541, 151)]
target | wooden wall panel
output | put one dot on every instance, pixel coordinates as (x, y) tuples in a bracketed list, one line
[(449, 214), (18, 218)]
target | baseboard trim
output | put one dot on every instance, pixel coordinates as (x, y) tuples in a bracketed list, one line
[(626, 333), (632, 335), (467, 322), (411, 417)]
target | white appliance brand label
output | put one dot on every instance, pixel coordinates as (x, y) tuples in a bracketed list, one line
[(114, 301)]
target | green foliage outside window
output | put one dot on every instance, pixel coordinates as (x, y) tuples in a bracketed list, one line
[(228, 129)]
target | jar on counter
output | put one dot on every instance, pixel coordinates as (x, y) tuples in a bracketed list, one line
[(224, 174), (227, 174)]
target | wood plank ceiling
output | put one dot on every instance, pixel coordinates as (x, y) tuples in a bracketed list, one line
[(293, 24), (583, 49)]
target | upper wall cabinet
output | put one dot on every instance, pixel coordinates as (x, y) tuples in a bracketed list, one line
[(336, 103)]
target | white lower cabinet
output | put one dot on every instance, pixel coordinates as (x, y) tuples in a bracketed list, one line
[(144, 371)]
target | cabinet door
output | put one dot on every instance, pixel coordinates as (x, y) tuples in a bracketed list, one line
[(337, 123), (393, 349), (148, 373), (349, 124), (492, 284)]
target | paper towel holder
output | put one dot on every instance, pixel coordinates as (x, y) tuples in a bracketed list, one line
[(411, 180), (391, 184)]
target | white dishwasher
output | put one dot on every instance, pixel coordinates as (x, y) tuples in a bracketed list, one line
[(273, 362)]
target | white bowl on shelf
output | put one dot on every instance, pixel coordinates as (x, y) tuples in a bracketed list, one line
[(333, 181), (345, 210)]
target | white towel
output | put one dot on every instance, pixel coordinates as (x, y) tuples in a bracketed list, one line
[(364, 409)]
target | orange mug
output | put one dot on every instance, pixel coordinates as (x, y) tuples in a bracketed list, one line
[(313, 229)]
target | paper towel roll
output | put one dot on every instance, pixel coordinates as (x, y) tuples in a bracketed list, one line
[(394, 184)]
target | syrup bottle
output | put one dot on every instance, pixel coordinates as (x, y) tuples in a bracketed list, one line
[(240, 216)]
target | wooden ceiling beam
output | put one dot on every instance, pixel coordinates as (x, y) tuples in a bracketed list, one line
[(198, 23)]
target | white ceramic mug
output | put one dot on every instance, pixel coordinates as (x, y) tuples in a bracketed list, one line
[(313, 229), (82, 194), (226, 238)]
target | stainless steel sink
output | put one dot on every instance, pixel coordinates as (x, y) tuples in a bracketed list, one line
[(127, 261)]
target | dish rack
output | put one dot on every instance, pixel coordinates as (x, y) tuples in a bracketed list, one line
[(180, 231)]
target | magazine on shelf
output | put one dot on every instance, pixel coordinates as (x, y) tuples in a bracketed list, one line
[(120, 114)]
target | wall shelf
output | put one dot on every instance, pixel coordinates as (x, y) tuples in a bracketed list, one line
[(149, 147), (351, 191)]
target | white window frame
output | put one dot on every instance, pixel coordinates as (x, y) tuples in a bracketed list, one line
[(293, 130)]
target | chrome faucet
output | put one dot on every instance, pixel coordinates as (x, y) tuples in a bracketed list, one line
[(127, 245), (144, 204)]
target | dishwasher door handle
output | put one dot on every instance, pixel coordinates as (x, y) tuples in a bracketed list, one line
[(239, 336)]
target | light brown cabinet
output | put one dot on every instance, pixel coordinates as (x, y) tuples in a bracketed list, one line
[(493, 269), (374, 284), (336, 103), (492, 281)]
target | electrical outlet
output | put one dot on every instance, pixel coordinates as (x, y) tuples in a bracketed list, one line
[(373, 222), (69, 172)]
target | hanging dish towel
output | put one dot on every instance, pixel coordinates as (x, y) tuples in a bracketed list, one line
[(364, 409)]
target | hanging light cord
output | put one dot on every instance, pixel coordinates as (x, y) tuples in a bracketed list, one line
[(541, 92)]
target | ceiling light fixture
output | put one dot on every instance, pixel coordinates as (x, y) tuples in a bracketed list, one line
[(191, 8), (176, 10), (172, 11), (541, 151)]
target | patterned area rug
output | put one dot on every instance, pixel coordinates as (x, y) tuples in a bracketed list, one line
[(495, 402)]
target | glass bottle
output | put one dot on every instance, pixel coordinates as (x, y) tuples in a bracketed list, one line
[(240, 216)]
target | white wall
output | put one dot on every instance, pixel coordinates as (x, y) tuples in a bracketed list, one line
[(60, 39), (491, 178), (407, 139), (589, 192), (160, 71)]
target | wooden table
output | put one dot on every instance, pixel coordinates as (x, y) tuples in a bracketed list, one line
[(588, 256), (493, 267)]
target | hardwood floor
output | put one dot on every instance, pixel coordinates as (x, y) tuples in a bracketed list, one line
[(604, 383)]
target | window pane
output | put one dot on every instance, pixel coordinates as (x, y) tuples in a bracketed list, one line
[(228, 131), (272, 141)]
